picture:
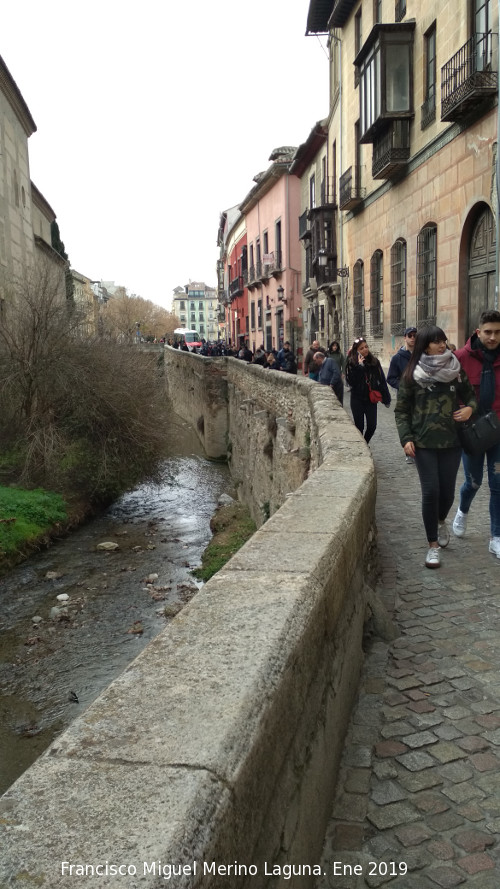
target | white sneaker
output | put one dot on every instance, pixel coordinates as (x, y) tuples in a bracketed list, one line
[(460, 524), (494, 546), (433, 558), (443, 534)]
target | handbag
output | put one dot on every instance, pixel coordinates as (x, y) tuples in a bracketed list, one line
[(374, 395), (479, 433)]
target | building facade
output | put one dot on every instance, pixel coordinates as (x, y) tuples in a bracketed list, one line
[(412, 142), (196, 308)]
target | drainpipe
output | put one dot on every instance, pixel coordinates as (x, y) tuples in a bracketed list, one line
[(343, 285)]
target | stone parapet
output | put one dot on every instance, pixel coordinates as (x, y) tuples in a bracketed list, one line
[(218, 747)]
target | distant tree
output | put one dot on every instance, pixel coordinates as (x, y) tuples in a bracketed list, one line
[(123, 314)]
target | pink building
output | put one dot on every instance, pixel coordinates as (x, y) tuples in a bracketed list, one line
[(273, 278)]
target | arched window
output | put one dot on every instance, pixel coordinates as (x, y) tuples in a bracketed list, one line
[(426, 274), (398, 287), (377, 293), (358, 298)]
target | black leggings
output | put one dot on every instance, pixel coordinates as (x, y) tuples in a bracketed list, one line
[(360, 410), (437, 469)]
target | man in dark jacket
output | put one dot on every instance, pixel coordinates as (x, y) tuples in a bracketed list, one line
[(399, 363), (480, 358), (329, 374)]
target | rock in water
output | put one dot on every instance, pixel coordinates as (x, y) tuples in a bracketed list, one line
[(107, 546)]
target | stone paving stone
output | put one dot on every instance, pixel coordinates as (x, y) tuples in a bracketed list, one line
[(441, 688), (457, 713), (446, 751), (441, 849), (431, 803), (425, 720), (357, 780), (462, 684), (472, 744), (413, 834), (394, 698), (358, 756), (444, 821), (484, 762), (415, 762), (421, 707), (457, 771), (409, 681), (448, 732), (389, 748), (415, 781), (473, 840), (385, 769), (392, 814), (446, 877), (471, 812), (473, 864), (487, 720), (387, 792), (394, 729), (419, 739), (351, 807), (494, 737), (461, 793), (415, 695), (349, 836)]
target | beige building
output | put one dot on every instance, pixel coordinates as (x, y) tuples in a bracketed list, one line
[(87, 303), (196, 307), (411, 141), (26, 218)]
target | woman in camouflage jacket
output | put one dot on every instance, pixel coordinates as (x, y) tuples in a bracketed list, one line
[(433, 396)]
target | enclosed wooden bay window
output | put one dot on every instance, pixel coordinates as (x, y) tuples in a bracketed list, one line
[(385, 65)]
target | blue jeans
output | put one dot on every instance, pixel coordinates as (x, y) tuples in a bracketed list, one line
[(473, 469)]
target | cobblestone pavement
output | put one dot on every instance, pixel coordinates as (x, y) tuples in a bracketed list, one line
[(418, 798)]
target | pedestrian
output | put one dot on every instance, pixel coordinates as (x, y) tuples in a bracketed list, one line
[(335, 352), (329, 374), (427, 411), (308, 369), (365, 377), (480, 358), (286, 359), (399, 363)]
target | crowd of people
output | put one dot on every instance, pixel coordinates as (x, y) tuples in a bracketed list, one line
[(438, 387)]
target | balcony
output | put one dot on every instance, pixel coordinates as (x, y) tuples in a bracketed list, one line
[(351, 194), (391, 151), (236, 287), (271, 264), (304, 230), (254, 275), (469, 80)]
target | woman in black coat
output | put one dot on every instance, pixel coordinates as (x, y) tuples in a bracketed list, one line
[(365, 376)]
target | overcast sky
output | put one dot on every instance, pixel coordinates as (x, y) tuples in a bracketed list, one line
[(153, 117)]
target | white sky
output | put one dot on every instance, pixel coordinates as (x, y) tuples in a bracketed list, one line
[(153, 117)]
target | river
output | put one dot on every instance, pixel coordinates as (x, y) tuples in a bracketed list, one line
[(53, 664)]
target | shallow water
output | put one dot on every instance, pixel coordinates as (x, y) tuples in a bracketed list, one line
[(52, 669)]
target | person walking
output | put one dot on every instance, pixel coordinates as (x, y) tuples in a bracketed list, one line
[(365, 377), (329, 374), (399, 363), (335, 353), (480, 358), (426, 415)]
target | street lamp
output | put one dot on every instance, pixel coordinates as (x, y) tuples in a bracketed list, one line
[(281, 294)]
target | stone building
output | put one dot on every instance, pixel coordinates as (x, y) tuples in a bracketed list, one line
[(412, 140), (26, 217)]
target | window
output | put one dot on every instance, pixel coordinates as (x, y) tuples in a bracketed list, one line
[(252, 315), (377, 11), (400, 10), (200, 306), (183, 305), (358, 298), (265, 239), (429, 105), (259, 314), (334, 171), (192, 307), (481, 27), (377, 293), (277, 244), (398, 287), (426, 274), (385, 66), (312, 192), (358, 32)]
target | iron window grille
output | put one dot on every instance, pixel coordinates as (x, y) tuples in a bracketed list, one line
[(426, 274), (398, 287)]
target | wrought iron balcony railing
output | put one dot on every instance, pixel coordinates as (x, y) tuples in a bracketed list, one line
[(470, 77), (350, 192), (236, 286), (391, 150), (304, 230)]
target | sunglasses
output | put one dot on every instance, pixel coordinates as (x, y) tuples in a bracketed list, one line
[(360, 339), (411, 336)]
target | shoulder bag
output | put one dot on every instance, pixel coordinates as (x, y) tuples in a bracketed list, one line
[(374, 395), (479, 434)]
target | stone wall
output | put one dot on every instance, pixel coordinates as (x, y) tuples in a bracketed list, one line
[(220, 743)]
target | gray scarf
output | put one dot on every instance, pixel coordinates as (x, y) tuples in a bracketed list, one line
[(431, 368)]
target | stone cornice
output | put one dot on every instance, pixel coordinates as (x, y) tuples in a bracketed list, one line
[(42, 204), (13, 94)]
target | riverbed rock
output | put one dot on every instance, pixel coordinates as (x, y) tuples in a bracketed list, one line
[(62, 597), (107, 546), (53, 575)]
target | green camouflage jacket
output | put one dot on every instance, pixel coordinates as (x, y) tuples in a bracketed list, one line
[(425, 416)]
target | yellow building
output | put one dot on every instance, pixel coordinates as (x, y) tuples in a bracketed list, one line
[(412, 143)]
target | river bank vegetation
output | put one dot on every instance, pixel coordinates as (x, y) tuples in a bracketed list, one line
[(82, 415)]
